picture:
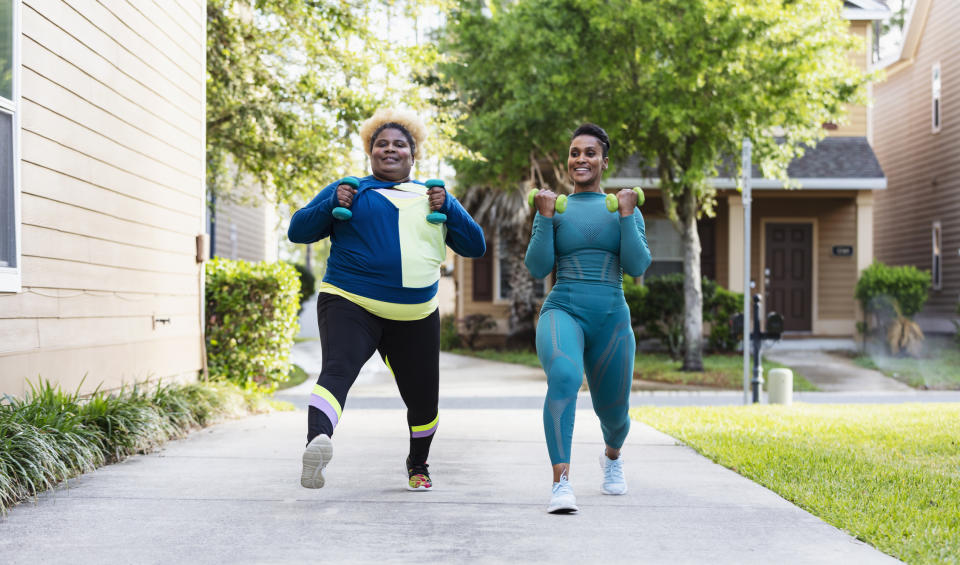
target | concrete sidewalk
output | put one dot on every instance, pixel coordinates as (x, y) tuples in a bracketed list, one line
[(231, 494)]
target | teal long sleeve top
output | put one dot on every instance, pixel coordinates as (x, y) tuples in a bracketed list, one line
[(588, 243)]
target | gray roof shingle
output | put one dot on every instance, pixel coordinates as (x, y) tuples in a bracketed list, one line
[(832, 158)]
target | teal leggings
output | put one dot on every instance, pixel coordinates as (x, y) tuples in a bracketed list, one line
[(585, 328)]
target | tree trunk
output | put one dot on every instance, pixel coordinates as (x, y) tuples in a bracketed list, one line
[(692, 291)]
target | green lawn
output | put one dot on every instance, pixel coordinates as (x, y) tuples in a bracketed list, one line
[(297, 376), (721, 371), (939, 369), (888, 474)]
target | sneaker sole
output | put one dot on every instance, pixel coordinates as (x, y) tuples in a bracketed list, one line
[(415, 489), (563, 509), (316, 456)]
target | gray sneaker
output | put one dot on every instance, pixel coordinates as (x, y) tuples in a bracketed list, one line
[(562, 500), (315, 457)]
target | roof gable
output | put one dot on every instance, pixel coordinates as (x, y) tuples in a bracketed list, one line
[(865, 10), (913, 31)]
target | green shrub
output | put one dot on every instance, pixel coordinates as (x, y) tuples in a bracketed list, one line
[(473, 325), (251, 313), (718, 310), (882, 287), (657, 305), (449, 336), (308, 283)]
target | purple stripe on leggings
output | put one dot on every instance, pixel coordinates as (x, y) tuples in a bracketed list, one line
[(424, 433), (321, 403)]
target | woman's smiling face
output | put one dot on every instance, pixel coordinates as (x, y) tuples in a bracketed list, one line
[(391, 157), (585, 162)]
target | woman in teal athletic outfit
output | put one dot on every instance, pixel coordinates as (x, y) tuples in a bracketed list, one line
[(584, 324)]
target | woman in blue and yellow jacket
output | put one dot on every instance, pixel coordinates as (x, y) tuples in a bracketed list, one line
[(379, 292)]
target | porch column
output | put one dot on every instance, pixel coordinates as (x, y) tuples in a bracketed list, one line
[(735, 242), (864, 249)]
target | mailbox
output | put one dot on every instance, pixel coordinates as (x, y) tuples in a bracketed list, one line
[(736, 324), (774, 325)]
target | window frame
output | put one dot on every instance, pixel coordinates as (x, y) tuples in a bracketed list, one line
[(936, 98), (656, 256), (936, 256), (11, 277)]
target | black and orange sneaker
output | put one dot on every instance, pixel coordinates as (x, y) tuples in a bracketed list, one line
[(418, 478)]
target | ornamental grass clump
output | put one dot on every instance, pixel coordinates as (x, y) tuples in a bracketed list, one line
[(51, 435)]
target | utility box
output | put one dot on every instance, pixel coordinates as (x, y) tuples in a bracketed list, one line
[(780, 386)]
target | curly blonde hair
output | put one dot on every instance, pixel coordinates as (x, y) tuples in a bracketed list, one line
[(408, 121)]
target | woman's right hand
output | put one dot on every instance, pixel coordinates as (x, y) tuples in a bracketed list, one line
[(345, 194), (546, 202)]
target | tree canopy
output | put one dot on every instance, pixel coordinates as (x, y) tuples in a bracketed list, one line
[(677, 83), (289, 81)]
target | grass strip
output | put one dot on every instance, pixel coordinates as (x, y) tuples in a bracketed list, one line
[(937, 371), (51, 435), (720, 371), (888, 474)]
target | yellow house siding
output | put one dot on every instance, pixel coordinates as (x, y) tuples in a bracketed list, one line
[(112, 171), (835, 224), (922, 167), (837, 275), (855, 123)]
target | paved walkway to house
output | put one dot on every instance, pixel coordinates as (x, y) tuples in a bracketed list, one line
[(231, 493)]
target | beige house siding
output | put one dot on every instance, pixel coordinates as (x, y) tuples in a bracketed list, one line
[(834, 220), (856, 121), (246, 232), (922, 167), (112, 126)]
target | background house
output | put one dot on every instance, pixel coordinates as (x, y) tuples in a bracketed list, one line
[(101, 191), (918, 217), (808, 247)]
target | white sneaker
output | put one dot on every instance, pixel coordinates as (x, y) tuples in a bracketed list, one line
[(613, 481), (562, 501), (315, 457)]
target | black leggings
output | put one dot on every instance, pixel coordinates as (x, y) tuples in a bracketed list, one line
[(349, 335)]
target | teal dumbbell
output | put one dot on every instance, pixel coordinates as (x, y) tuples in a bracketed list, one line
[(561, 205), (340, 212), (436, 217), (613, 204)]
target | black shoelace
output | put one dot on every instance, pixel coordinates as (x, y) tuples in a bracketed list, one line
[(417, 469)]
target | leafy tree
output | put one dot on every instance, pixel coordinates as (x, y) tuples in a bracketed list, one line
[(289, 81), (678, 83)]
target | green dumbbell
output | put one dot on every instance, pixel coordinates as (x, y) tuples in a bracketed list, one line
[(436, 217), (561, 204), (340, 212), (613, 204)]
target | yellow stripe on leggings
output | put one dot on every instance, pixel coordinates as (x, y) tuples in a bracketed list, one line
[(386, 361), (425, 427), (325, 394)]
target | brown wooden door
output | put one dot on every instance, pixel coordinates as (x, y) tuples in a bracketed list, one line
[(788, 274)]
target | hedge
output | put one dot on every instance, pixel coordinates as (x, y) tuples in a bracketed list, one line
[(251, 320)]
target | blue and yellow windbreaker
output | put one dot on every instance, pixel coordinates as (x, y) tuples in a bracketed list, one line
[(387, 257)]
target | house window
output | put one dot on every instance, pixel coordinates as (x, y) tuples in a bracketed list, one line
[(9, 148), (936, 263), (482, 279), (666, 247), (503, 275), (935, 108)]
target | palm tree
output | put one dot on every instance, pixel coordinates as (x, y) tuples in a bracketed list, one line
[(505, 213)]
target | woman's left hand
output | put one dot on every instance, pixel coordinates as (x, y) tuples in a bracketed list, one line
[(437, 196), (627, 201)]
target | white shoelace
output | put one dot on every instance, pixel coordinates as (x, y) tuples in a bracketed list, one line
[(613, 471)]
